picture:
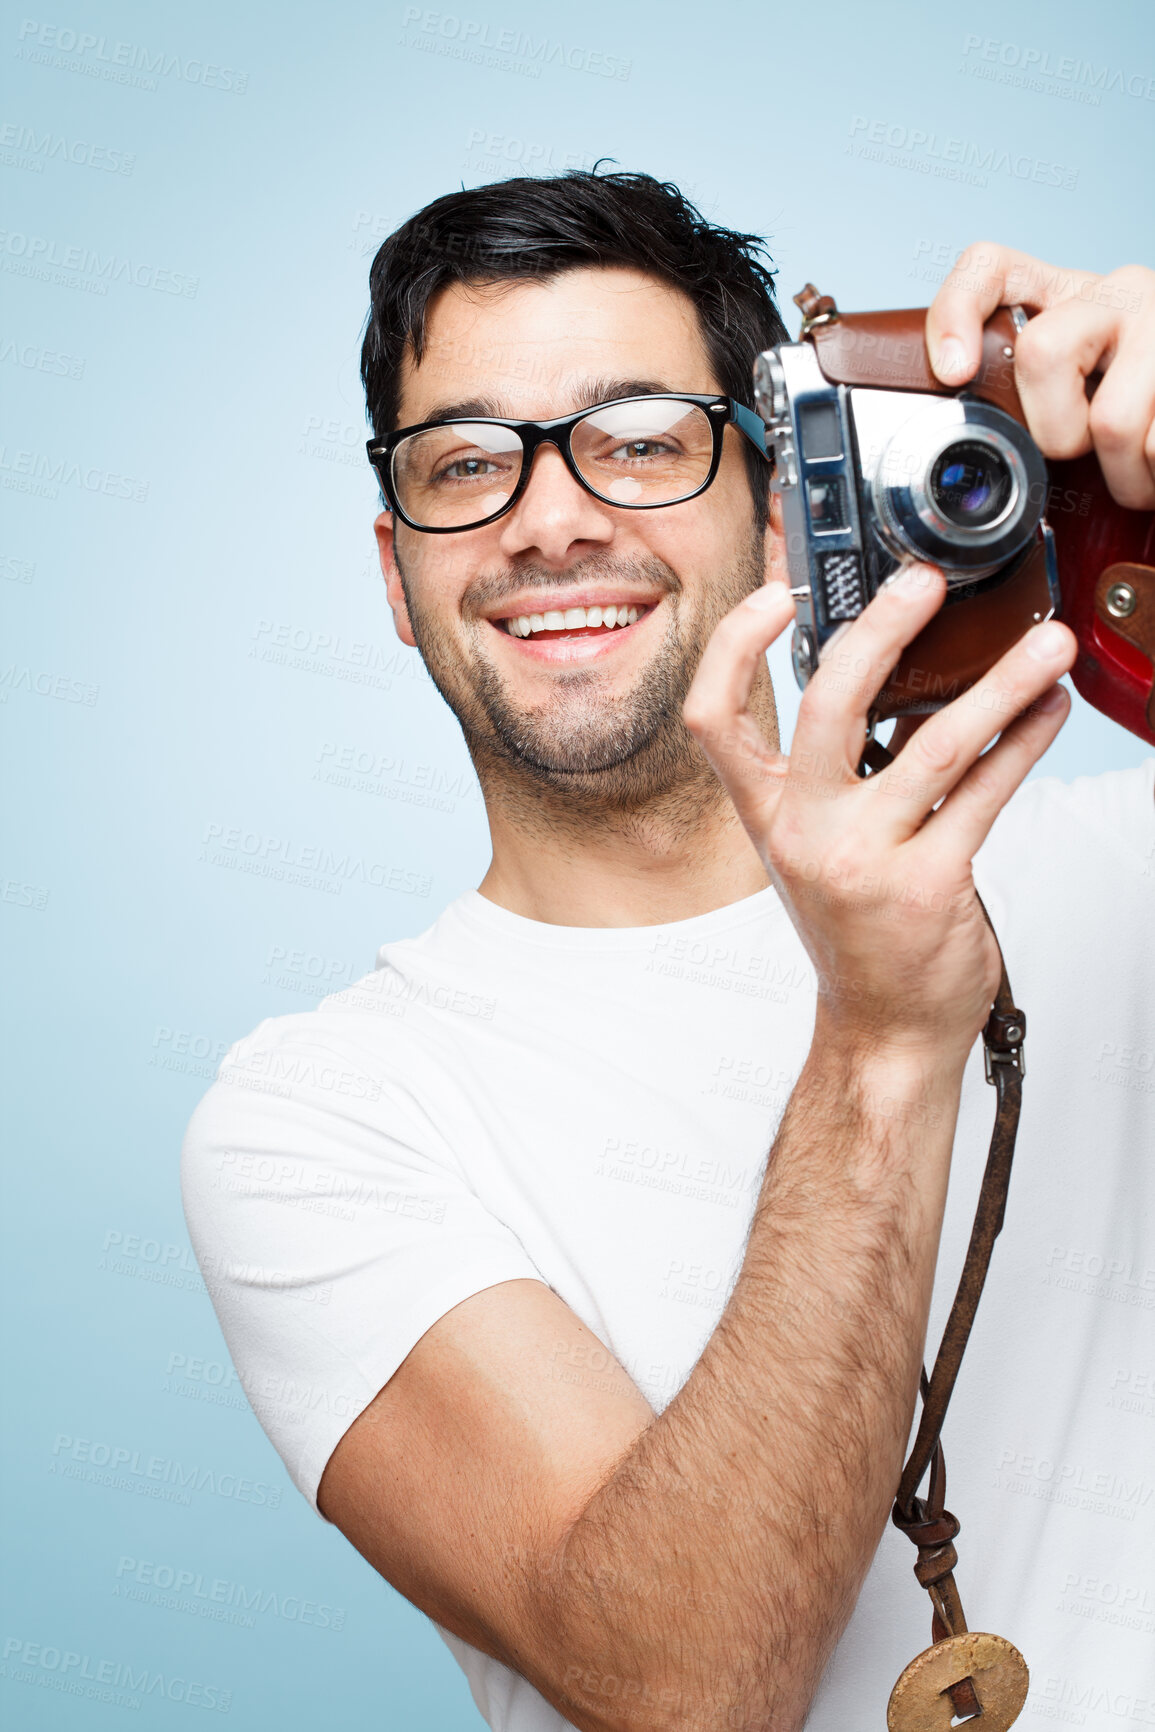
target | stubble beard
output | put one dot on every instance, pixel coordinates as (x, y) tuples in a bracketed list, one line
[(613, 754)]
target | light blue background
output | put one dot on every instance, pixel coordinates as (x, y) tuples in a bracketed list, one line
[(142, 943)]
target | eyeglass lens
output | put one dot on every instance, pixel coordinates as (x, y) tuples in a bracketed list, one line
[(650, 452)]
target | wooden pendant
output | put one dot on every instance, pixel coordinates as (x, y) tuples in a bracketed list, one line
[(920, 1701)]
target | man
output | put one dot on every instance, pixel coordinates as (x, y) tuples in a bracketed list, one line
[(493, 1236)]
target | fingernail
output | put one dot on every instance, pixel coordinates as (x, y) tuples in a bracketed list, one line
[(770, 595), (951, 358), (1053, 699), (1046, 642)]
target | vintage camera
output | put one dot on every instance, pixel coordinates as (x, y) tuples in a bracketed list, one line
[(877, 463)]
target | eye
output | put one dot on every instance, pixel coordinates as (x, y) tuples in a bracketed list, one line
[(641, 448), (467, 469)]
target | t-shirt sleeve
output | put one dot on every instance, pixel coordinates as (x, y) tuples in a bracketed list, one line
[(331, 1230)]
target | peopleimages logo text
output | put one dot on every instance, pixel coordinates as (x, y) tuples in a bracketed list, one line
[(1067, 68), (474, 34), (219, 1591), (122, 1460), (37, 148), (94, 1676), (38, 253), (923, 146), (100, 56), (272, 856)]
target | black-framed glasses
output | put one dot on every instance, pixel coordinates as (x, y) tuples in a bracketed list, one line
[(636, 453)]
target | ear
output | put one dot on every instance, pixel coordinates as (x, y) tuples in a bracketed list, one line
[(383, 529), (777, 569)]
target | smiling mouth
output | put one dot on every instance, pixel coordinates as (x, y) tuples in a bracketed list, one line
[(572, 621)]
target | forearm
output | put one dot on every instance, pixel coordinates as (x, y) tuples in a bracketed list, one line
[(706, 1583)]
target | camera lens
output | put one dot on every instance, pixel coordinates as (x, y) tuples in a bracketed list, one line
[(957, 482), (971, 484)]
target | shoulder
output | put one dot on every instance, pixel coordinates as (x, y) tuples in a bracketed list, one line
[(1060, 824), (312, 1087), (353, 1070), (354, 1041), (1068, 870), (328, 1048)]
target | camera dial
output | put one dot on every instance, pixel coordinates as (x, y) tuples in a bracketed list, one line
[(771, 397)]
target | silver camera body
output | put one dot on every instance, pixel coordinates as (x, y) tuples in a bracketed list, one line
[(871, 479)]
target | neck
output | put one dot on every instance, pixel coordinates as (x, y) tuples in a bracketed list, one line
[(569, 862)]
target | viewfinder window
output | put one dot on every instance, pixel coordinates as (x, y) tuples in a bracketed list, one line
[(819, 429), (827, 503)]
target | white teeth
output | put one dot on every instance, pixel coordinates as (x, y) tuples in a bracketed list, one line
[(572, 619)]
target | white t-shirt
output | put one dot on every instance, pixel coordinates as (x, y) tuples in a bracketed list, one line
[(592, 1107)]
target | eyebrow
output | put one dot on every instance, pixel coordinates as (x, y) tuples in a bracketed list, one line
[(586, 396)]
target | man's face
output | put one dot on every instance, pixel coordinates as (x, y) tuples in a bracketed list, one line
[(594, 710)]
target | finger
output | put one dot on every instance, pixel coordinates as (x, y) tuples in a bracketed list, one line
[(963, 821), (941, 754), (1054, 357), (985, 277), (1122, 420), (716, 710), (722, 685), (831, 728)]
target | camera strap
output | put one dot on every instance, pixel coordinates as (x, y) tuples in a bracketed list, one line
[(965, 1674)]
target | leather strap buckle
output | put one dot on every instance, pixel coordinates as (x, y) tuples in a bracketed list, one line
[(1003, 1039), (816, 309)]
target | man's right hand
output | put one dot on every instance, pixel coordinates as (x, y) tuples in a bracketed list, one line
[(876, 872)]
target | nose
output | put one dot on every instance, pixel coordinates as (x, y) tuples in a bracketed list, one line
[(555, 518)]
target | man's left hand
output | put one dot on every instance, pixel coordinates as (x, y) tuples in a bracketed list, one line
[(1084, 324)]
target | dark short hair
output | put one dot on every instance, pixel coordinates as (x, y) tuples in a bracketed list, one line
[(539, 227)]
